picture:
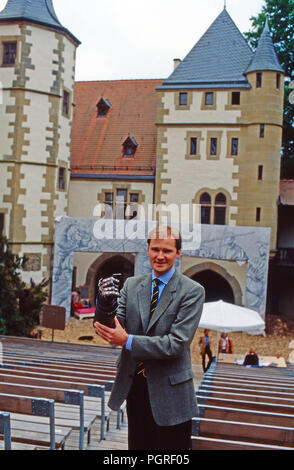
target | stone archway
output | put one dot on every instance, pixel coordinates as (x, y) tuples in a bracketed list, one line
[(211, 272), (104, 266)]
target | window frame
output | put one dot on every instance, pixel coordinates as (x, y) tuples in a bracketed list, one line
[(66, 103), (193, 143), (62, 180), (213, 153), (234, 95), (10, 63), (209, 94), (259, 80), (235, 150), (183, 94)]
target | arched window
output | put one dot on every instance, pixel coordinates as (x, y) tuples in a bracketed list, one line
[(205, 203), (220, 206)]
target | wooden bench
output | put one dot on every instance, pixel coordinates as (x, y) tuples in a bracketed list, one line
[(247, 385), (250, 381), (267, 406), (209, 443), (240, 431), (252, 373), (244, 415), (5, 430), (249, 391), (19, 361), (244, 396), (54, 438), (91, 390), (68, 397)]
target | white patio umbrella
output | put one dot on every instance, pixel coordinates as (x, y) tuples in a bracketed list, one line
[(225, 317)]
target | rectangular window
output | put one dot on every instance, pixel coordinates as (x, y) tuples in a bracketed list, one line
[(121, 203), (213, 146), (258, 214), (278, 81), (205, 215), (133, 206), (261, 131), (65, 103), (108, 205), (260, 172), (1, 223), (9, 53), (219, 216), (183, 99), (61, 178), (259, 80), (209, 98), (235, 146), (193, 146), (236, 97)]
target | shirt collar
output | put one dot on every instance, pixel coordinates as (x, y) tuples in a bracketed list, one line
[(166, 277)]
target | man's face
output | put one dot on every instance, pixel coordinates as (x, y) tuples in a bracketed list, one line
[(162, 255)]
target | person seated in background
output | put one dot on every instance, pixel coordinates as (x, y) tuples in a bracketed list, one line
[(225, 345), (251, 359)]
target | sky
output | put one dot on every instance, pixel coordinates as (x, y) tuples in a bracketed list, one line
[(138, 39)]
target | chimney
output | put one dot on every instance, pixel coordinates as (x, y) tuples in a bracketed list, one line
[(176, 63)]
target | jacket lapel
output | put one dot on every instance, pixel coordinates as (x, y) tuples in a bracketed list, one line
[(143, 294), (165, 300)]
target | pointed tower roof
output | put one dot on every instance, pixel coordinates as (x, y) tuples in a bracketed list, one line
[(35, 11), (218, 60), (265, 57)]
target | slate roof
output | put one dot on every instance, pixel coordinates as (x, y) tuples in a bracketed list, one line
[(265, 57), (97, 143), (218, 60), (36, 11)]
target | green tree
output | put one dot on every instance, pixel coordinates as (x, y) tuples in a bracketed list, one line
[(280, 16), (20, 305)]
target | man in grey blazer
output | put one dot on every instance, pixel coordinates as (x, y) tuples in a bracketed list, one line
[(154, 369)]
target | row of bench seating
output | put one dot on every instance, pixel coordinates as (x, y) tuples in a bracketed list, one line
[(244, 409), (72, 381)]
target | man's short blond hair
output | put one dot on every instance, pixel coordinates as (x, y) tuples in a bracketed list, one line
[(162, 232)]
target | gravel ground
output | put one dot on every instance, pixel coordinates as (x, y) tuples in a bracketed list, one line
[(279, 333)]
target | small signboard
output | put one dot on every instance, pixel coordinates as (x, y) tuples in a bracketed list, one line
[(53, 317)]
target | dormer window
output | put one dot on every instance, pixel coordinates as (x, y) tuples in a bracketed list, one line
[(129, 147), (103, 107)]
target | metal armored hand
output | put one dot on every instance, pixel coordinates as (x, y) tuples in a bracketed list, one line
[(108, 289), (106, 304)]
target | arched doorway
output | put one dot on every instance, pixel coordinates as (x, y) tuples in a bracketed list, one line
[(106, 265), (216, 287), (116, 264), (217, 281)]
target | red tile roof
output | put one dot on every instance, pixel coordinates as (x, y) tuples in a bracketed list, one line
[(287, 192), (97, 142)]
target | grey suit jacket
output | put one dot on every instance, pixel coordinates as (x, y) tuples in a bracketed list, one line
[(163, 344)]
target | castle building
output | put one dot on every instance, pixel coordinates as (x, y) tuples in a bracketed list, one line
[(207, 136), (37, 67)]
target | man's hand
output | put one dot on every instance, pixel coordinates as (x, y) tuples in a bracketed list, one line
[(116, 336)]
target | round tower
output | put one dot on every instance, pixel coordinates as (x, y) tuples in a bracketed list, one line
[(37, 68), (262, 111)]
